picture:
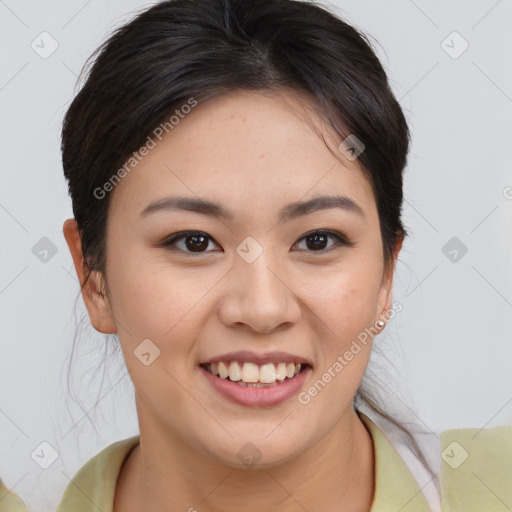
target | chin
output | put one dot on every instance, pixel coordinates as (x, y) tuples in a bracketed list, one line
[(254, 454)]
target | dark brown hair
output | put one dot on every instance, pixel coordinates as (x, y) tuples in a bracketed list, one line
[(179, 49)]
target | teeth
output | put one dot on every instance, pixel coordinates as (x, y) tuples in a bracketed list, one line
[(268, 373), (223, 370), (281, 371), (235, 372), (252, 373)]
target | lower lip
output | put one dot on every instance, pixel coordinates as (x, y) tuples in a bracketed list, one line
[(257, 397)]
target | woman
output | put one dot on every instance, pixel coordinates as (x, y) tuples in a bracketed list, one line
[(235, 169)]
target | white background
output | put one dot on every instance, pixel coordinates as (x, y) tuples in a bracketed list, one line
[(450, 350)]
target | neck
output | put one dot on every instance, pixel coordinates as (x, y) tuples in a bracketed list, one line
[(165, 474)]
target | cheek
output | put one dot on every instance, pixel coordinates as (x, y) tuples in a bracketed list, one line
[(345, 301), (137, 299), (155, 300), (151, 301), (345, 305)]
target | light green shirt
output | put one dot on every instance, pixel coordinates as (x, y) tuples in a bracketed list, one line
[(10, 501), (394, 484), (475, 476), (480, 483)]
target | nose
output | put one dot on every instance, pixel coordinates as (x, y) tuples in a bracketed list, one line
[(259, 296)]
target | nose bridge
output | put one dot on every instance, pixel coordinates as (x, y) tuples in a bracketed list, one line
[(259, 295), (259, 277)]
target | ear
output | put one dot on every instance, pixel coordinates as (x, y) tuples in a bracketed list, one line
[(386, 290), (94, 292)]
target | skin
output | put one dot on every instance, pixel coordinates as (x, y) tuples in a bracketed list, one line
[(253, 153)]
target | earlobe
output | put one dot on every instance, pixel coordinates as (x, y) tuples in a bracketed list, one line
[(383, 308), (93, 293)]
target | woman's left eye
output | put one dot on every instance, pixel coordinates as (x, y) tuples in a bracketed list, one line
[(197, 241), (318, 238)]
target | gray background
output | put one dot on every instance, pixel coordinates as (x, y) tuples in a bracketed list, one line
[(448, 354)]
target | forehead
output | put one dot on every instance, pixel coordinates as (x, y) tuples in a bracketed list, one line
[(244, 148)]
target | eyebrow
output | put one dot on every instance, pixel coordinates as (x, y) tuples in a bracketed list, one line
[(287, 213)]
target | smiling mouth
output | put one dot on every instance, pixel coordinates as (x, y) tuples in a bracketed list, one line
[(253, 375)]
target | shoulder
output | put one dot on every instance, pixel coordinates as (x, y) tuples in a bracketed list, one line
[(10, 501), (95, 483), (471, 467), (476, 469)]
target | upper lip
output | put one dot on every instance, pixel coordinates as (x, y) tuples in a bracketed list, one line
[(246, 356)]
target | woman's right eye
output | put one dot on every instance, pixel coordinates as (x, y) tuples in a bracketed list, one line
[(193, 242)]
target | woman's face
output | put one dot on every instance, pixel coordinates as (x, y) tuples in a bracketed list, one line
[(253, 282)]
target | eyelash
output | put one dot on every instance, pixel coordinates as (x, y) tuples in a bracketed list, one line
[(340, 238)]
